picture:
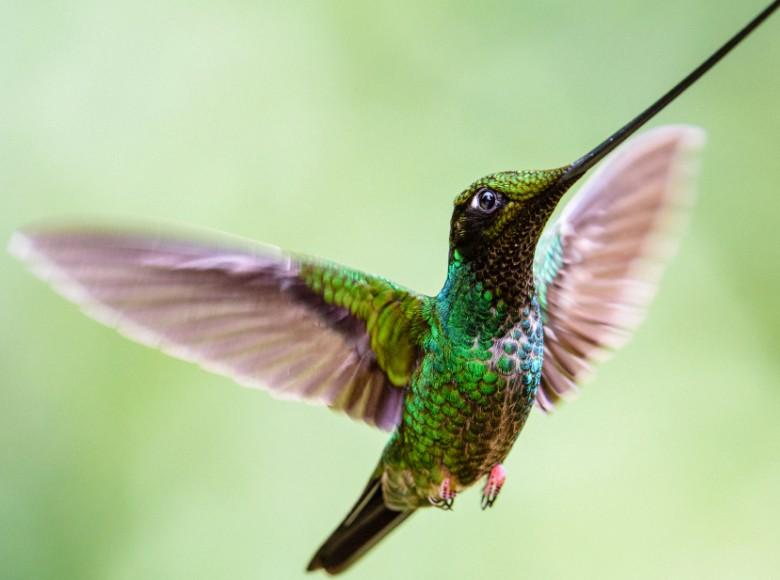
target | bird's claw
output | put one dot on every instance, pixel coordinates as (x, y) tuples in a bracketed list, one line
[(493, 485), (446, 497)]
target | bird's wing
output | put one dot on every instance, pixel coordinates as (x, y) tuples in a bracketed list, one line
[(598, 265), (301, 328)]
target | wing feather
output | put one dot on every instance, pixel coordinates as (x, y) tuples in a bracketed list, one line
[(598, 266), (261, 317)]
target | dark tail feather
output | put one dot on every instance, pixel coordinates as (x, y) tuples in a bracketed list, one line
[(368, 522)]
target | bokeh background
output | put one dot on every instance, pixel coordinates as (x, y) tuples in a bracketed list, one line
[(344, 130)]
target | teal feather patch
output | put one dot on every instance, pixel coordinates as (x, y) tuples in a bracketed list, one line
[(547, 263)]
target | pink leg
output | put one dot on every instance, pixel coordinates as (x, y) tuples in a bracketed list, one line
[(493, 485), (446, 495)]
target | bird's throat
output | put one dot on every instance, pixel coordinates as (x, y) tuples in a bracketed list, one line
[(472, 306)]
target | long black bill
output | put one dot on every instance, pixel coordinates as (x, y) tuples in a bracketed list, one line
[(579, 167)]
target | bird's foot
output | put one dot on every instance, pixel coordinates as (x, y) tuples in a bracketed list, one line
[(446, 496), (493, 485)]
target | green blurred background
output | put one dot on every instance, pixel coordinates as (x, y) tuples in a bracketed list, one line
[(344, 129)]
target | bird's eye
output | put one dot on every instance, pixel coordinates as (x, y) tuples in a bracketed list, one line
[(485, 200)]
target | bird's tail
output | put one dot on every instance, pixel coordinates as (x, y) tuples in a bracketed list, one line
[(367, 522)]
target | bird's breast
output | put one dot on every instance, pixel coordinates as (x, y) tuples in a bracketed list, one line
[(468, 401)]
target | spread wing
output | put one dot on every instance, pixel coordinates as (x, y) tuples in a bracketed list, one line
[(598, 265), (302, 329)]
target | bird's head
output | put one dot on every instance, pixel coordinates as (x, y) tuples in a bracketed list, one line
[(497, 221), (502, 206)]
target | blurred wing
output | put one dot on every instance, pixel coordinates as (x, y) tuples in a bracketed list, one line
[(597, 267), (302, 329)]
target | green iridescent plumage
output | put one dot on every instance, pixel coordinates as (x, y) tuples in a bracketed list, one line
[(392, 315), (469, 397)]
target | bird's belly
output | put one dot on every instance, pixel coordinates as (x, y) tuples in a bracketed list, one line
[(461, 417)]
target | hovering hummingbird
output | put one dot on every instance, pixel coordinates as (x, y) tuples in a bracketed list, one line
[(519, 322)]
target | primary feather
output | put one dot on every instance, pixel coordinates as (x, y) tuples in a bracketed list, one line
[(598, 265), (301, 328)]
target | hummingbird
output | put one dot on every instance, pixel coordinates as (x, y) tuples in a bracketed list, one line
[(526, 310)]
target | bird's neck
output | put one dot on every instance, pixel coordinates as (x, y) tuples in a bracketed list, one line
[(470, 305), (503, 266)]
